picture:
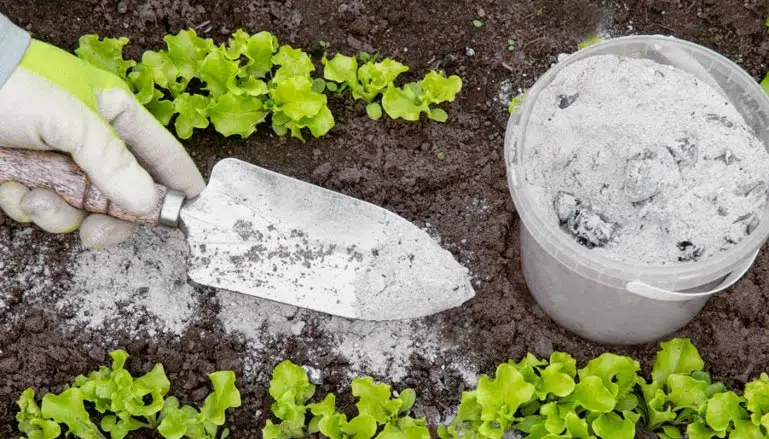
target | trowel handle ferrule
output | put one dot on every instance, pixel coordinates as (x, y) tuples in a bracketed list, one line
[(59, 173)]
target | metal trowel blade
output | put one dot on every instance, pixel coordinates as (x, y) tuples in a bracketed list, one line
[(261, 233)]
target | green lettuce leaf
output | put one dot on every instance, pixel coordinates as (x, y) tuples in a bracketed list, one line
[(677, 356), (723, 410), (468, 418), (293, 63), (237, 115), (187, 50), (698, 430), (258, 50), (403, 102), (251, 86), (225, 396), (501, 397), (555, 382), (374, 399), (568, 363), (687, 392), (376, 77), (437, 88), (613, 426), (161, 68), (342, 69), (178, 422), (119, 428), (141, 77), (218, 72), (294, 98), (31, 421), (670, 432), (744, 429), (592, 394), (618, 373), (106, 54), (757, 397), (576, 426), (68, 408), (162, 109), (193, 113)]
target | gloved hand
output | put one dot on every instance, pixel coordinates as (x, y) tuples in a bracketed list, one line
[(52, 100)]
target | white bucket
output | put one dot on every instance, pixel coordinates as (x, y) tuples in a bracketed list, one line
[(619, 303)]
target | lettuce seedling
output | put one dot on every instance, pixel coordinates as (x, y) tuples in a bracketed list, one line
[(185, 421), (757, 401), (391, 413), (515, 103), (551, 398), (414, 98), (381, 414), (366, 82), (589, 41), (333, 425), (125, 404), (290, 389), (31, 420), (682, 398)]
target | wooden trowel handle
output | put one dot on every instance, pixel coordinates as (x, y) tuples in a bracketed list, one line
[(59, 173)]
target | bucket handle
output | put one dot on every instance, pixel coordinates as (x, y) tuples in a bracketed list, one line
[(650, 292)]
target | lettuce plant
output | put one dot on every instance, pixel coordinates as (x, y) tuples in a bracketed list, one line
[(682, 399), (381, 414), (373, 79), (414, 98), (123, 404), (290, 389), (551, 399)]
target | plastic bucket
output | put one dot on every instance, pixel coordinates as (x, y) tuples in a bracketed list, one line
[(604, 300)]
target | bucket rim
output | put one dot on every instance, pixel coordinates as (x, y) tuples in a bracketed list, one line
[(715, 265)]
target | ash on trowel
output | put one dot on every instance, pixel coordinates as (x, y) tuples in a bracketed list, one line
[(643, 162)]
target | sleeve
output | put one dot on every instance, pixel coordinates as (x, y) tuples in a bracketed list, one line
[(13, 44)]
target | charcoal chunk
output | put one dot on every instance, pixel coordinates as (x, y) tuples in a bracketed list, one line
[(723, 120), (749, 222), (647, 172), (590, 229), (727, 157), (579, 220), (567, 100), (684, 152), (757, 192), (689, 251), (752, 224), (565, 206)]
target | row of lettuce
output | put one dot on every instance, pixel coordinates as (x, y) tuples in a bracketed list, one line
[(252, 79), (539, 398)]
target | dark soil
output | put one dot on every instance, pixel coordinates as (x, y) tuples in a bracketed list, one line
[(394, 164)]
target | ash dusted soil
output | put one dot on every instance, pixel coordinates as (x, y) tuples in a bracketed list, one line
[(464, 197)]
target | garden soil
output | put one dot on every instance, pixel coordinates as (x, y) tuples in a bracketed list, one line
[(63, 309)]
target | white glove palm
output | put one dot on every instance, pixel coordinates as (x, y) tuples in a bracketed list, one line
[(55, 101)]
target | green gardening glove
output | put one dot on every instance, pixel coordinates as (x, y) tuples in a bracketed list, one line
[(54, 101)]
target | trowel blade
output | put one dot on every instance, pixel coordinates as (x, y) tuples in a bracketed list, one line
[(261, 233)]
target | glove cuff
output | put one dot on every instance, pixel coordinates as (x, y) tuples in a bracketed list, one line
[(13, 44)]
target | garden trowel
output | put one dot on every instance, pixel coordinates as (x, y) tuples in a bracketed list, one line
[(261, 233)]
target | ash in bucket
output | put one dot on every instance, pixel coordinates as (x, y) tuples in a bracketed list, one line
[(644, 162)]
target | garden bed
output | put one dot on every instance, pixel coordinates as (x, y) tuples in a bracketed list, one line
[(62, 309)]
